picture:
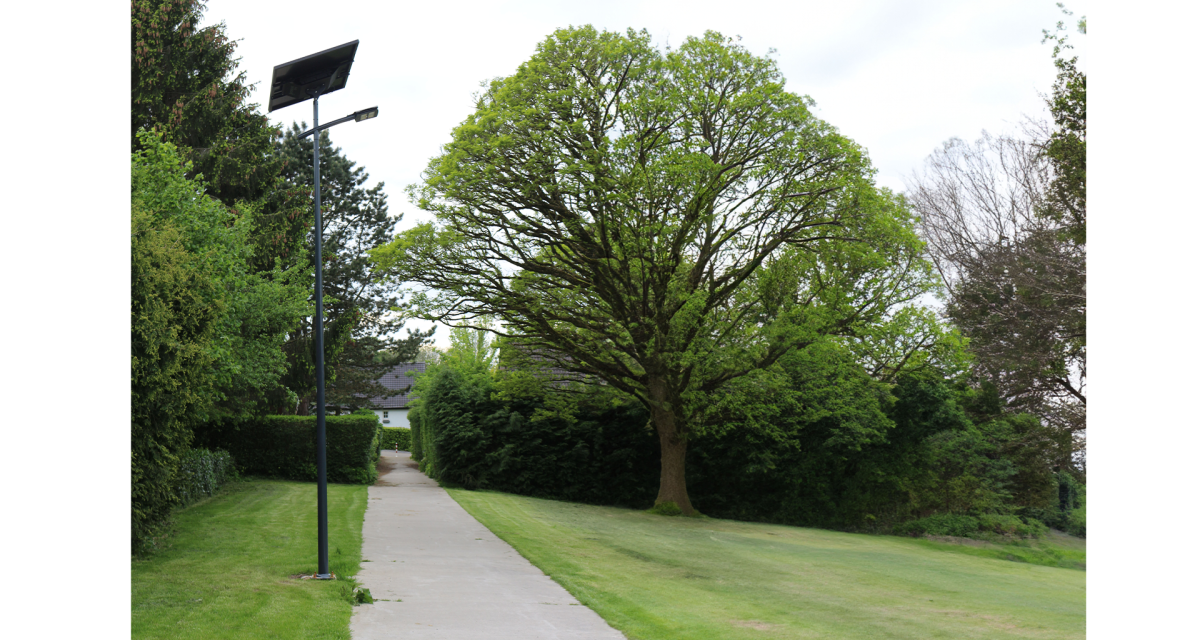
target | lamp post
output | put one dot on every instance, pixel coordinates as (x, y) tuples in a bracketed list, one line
[(293, 82)]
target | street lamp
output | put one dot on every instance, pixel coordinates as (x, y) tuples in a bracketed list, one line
[(357, 116), (293, 82)]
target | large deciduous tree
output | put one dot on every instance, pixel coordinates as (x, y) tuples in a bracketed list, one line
[(1015, 286), (1005, 220), (664, 222), (1066, 145)]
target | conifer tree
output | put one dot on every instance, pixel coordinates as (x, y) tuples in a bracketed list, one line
[(360, 325)]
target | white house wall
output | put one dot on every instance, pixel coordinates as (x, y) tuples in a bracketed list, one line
[(396, 418)]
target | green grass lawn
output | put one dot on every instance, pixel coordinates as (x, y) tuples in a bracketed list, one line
[(678, 578), (226, 572), (1057, 549)]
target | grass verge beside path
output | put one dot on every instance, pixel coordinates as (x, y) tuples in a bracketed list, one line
[(655, 577), (225, 573)]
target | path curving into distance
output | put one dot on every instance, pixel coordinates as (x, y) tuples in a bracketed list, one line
[(435, 572)]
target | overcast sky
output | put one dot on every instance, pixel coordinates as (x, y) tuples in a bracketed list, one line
[(899, 78)]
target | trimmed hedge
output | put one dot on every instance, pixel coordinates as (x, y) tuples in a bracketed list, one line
[(464, 435), (202, 472), (395, 438), (825, 447), (468, 430), (286, 446)]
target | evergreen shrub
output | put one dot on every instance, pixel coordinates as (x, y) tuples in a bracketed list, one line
[(395, 437), (1069, 513), (1012, 526), (945, 524), (1077, 522), (285, 446), (816, 442), (202, 472), (985, 526), (852, 463), (464, 434)]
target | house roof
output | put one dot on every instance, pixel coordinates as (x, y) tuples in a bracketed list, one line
[(399, 379), (545, 364)]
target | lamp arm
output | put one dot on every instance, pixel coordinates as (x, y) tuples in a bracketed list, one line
[(326, 126)]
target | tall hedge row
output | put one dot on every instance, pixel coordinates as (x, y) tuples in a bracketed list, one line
[(285, 446), (395, 438), (202, 472), (467, 437), (609, 455), (821, 444)]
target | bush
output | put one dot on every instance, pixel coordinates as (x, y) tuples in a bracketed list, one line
[(395, 437), (174, 314), (985, 526), (285, 446), (849, 454), (1033, 528), (202, 472), (1012, 526), (814, 442), (414, 427), (602, 454), (1070, 512), (1077, 522), (941, 525)]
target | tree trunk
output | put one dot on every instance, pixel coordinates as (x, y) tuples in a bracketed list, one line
[(302, 406), (672, 483)]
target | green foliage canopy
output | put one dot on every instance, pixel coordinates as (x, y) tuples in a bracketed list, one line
[(1067, 146), (186, 85), (257, 308), (185, 82), (175, 308), (664, 222)]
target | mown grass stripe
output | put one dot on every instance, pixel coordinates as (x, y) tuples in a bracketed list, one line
[(654, 577)]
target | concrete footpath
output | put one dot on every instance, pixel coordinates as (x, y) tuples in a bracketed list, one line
[(435, 572)]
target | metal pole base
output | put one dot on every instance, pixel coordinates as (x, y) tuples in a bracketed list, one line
[(320, 576)]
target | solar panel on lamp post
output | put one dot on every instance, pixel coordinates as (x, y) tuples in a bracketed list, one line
[(293, 82)]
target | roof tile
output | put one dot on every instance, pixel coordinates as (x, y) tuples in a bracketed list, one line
[(400, 378)]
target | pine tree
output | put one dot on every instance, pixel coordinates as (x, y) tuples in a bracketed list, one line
[(360, 326), (187, 88), (185, 82)]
